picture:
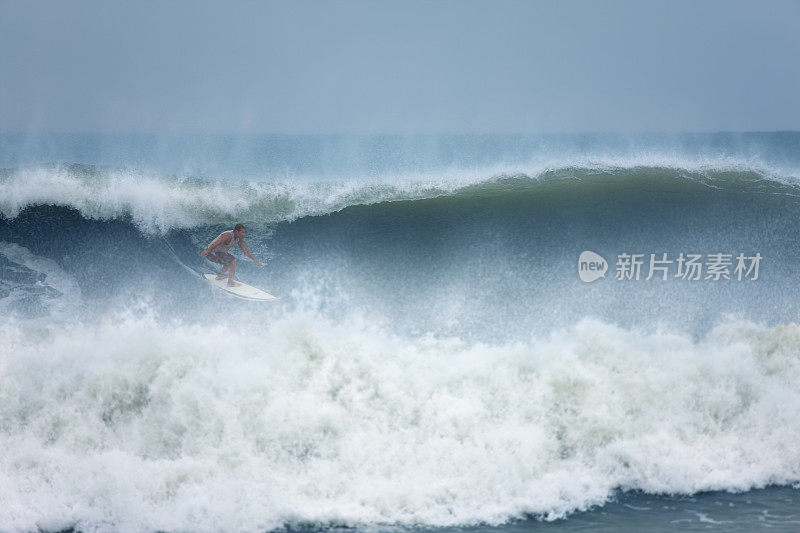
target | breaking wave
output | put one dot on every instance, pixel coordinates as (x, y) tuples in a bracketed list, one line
[(157, 204), (134, 424)]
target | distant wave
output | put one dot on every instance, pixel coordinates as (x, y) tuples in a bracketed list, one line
[(157, 204)]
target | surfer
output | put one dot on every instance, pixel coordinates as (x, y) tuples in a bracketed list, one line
[(217, 251)]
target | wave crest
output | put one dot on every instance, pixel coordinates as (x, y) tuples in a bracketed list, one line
[(158, 204)]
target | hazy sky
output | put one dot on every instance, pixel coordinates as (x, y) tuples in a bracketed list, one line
[(399, 67)]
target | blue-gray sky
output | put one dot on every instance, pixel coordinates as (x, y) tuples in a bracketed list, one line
[(399, 67)]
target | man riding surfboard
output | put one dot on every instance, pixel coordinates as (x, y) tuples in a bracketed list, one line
[(218, 252)]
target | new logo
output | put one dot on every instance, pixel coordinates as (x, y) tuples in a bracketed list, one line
[(591, 266)]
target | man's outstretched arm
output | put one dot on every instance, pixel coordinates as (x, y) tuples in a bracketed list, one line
[(246, 251)]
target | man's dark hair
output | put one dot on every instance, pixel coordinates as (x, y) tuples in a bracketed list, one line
[(238, 227)]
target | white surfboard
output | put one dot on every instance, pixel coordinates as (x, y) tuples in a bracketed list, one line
[(244, 290)]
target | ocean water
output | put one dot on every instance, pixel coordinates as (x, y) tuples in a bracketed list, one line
[(435, 362)]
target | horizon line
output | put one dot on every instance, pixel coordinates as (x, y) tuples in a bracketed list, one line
[(397, 134)]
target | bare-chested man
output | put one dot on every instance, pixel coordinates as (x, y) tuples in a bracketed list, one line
[(218, 251)]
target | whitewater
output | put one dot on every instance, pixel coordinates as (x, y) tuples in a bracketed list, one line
[(139, 425), (435, 360)]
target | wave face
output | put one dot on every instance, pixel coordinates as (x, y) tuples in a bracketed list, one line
[(468, 256), (434, 359)]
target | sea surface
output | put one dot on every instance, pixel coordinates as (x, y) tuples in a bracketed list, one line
[(440, 360)]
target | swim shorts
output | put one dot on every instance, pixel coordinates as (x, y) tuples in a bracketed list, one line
[(223, 258)]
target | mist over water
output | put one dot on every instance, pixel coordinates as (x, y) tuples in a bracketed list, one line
[(434, 358), (355, 157)]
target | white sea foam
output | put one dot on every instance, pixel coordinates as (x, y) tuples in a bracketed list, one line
[(134, 424), (160, 203), (57, 291)]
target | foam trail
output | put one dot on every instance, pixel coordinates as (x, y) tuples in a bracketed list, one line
[(138, 424), (45, 282)]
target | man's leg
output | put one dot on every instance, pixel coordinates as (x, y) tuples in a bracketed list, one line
[(221, 273), (231, 273), (223, 259)]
